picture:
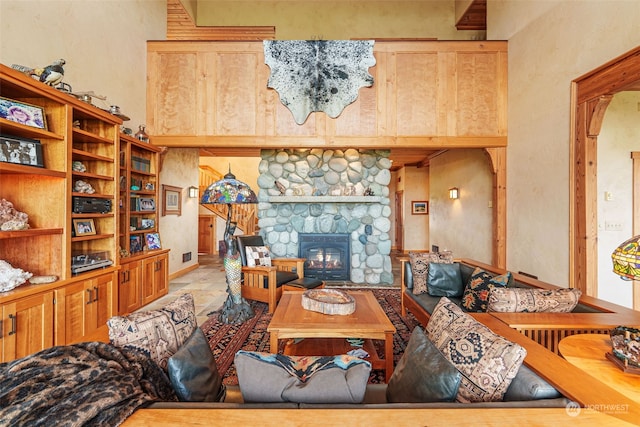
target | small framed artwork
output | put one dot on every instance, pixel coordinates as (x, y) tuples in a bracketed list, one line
[(171, 200), (153, 241), (420, 207), (146, 224), (135, 243), (147, 204), (23, 113), (22, 151), (84, 227)]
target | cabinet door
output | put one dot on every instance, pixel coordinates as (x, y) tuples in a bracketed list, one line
[(27, 326), (72, 304), (161, 275), (129, 283), (149, 267), (104, 304)]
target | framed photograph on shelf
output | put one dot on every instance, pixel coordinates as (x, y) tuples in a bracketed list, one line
[(84, 227), (419, 207), (146, 224), (23, 151), (171, 200), (135, 243), (23, 113), (153, 241), (147, 204)]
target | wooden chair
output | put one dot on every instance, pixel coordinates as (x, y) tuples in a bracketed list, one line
[(266, 284)]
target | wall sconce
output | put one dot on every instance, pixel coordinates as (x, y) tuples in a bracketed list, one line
[(193, 192), (453, 193)]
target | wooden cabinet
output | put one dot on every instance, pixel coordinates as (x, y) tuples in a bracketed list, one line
[(83, 307), (154, 273), (27, 325), (425, 94), (129, 291), (142, 280)]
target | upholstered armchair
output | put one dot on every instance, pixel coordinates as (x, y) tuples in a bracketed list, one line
[(267, 282)]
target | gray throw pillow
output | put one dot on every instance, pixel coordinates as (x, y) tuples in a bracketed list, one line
[(193, 371), (268, 377), (444, 280), (423, 374)]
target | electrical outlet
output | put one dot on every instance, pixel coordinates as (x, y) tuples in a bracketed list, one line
[(612, 226)]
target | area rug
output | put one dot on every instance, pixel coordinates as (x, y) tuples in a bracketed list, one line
[(226, 340)]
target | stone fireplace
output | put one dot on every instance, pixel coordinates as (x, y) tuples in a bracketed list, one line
[(329, 192)]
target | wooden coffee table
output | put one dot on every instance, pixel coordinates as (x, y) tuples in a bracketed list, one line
[(325, 335)]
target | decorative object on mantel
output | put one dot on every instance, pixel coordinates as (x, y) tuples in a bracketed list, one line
[(141, 135), (318, 75), (626, 259), (230, 191), (626, 349), (328, 301), (11, 219), (51, 75), (11, 277)]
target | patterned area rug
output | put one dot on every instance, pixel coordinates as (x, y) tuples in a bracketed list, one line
[(252, 335)]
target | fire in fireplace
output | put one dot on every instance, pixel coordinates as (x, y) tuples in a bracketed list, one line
[(327, 255)]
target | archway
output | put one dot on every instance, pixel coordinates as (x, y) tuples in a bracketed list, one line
[(591, 95)]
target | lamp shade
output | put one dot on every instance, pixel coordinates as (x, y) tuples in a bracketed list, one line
[(626, 259), (228, 191)]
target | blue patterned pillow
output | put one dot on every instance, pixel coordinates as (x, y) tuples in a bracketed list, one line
[(476, 293), (488, 362), (268, 377)]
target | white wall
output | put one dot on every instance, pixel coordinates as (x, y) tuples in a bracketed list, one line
[(550, 44), (619, 136), (180, 233), (416, 227), (463, 226)]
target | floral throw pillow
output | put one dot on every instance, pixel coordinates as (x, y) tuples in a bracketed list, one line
[(488, 362), (420, 267), (476, 293), (524, 300)]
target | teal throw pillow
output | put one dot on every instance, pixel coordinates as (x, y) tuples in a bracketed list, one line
[(444, 280), (423, 374)]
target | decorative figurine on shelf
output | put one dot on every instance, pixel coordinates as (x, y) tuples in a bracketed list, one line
[(83, 187), (51, 75), (11, 219), (79, 166), (142, 134), (368, 192), (11, 277)]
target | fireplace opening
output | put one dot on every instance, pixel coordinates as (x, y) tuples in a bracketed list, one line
[(327, 255)]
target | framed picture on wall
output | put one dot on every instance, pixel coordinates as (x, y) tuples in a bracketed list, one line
[(171, 200), (420, 207)]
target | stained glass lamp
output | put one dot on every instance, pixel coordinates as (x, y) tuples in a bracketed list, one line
[(626, 259), (229, 191)]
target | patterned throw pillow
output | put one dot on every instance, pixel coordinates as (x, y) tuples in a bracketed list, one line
[(524, 300), (258, 256), (267, 377), (158, 333), (420, 267), (488, 362), (476, 293)]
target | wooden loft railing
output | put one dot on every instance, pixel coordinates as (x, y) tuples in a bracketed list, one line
[(244, 215)]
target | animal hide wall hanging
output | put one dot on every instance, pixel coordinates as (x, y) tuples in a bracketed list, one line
[(318, 75)]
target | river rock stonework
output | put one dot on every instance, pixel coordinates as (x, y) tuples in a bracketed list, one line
[(329, 191)]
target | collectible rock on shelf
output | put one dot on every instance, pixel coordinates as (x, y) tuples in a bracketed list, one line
[(11, 219), (11, 277)]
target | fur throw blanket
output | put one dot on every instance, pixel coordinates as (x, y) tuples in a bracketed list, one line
[(86, 384)]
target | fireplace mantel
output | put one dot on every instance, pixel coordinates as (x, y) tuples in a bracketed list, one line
[(325, 199)]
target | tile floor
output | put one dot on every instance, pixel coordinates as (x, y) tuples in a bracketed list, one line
[(208, 286)]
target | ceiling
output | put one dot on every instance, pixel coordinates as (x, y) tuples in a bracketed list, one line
[(400, 157)]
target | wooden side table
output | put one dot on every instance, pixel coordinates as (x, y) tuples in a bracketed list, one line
[(587, 352)]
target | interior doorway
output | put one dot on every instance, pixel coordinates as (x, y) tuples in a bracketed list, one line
[(591, 95)]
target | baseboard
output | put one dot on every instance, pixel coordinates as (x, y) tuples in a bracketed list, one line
[(184, 271)]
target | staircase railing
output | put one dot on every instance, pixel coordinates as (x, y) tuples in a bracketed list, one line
[(244, 215)]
